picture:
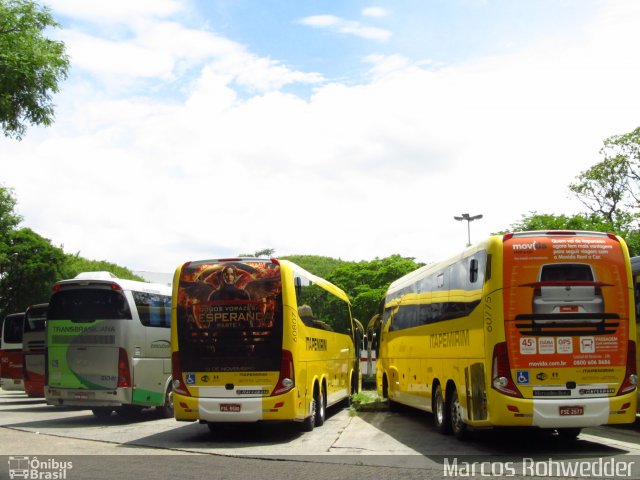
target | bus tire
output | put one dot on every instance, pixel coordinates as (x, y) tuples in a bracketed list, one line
[(458, 426), (321, 406), (102, 412), (166, 409), (441, 412), (310, 421)]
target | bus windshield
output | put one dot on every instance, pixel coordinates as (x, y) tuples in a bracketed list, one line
[(229, 316)]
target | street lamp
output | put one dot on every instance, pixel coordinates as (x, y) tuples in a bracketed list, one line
[(469, 219)]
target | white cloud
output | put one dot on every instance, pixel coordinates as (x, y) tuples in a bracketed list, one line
[(349, 27), (116, 10), (353, 172), (165, 50), (375, 12)]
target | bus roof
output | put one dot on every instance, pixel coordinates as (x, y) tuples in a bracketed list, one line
[(103, 278)]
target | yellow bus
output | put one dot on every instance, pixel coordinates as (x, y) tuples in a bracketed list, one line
[(529, 329), (635, 272), (259, 340)]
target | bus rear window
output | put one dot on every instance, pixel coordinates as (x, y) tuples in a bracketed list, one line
[(89, 304), (13, 328), (35, 320)]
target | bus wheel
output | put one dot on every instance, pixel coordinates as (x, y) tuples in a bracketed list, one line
[(310, 421), (458, 426), (166, 409), (440, 412), (321, 407), (393, 406), (101, 412), (569, 433)]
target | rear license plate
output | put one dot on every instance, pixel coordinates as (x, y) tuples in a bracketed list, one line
[(230, 407), (83, 395), (569, 309), (573, 410)]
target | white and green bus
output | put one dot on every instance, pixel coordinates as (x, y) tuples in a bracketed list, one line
[(108, 345)]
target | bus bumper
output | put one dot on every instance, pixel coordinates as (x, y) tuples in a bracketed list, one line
[(241, 410), (87, 398), (12, 384), (564, 413)]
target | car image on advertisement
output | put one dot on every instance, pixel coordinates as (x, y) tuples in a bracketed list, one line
[(567, 288)]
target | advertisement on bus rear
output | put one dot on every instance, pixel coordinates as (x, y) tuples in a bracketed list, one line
[(566, 303), (230, 316)]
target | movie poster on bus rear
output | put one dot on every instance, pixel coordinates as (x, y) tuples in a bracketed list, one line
[(230, 309)]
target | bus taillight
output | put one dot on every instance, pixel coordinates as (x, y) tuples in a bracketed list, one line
[(630, 375), (176, 373), (287, 377), (501, 372), (124, 374)]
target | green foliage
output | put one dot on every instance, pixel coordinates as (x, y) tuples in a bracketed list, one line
[(545, 221), (264, 253), (318, 265), (32, 265), (74, 264), (31, 66), (366, 282), (8, 218), (611, 188), (605, 189)]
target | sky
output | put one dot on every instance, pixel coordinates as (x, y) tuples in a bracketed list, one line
[(199, 129)]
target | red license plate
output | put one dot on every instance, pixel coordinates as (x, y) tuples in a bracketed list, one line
[(572, 410), (567, 309), (230, 407)]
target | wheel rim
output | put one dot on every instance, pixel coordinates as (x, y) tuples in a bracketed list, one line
[(439, 407), (169, 400), (456, 414)]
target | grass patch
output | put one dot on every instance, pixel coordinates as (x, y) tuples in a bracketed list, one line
[(367, 401)]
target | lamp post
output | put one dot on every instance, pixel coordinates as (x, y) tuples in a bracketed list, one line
[(469, 219)]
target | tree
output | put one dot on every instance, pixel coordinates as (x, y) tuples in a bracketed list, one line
[(31, 66), (606, 188), (366, 282), (265, 252), (545, 221), (611, 188), (8, 221), (31, 266), (8, 218)]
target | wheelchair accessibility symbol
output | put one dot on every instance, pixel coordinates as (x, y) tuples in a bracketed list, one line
[(522, 377)]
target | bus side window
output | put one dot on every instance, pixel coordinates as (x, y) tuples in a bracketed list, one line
[(636, 289), (473, 270)]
